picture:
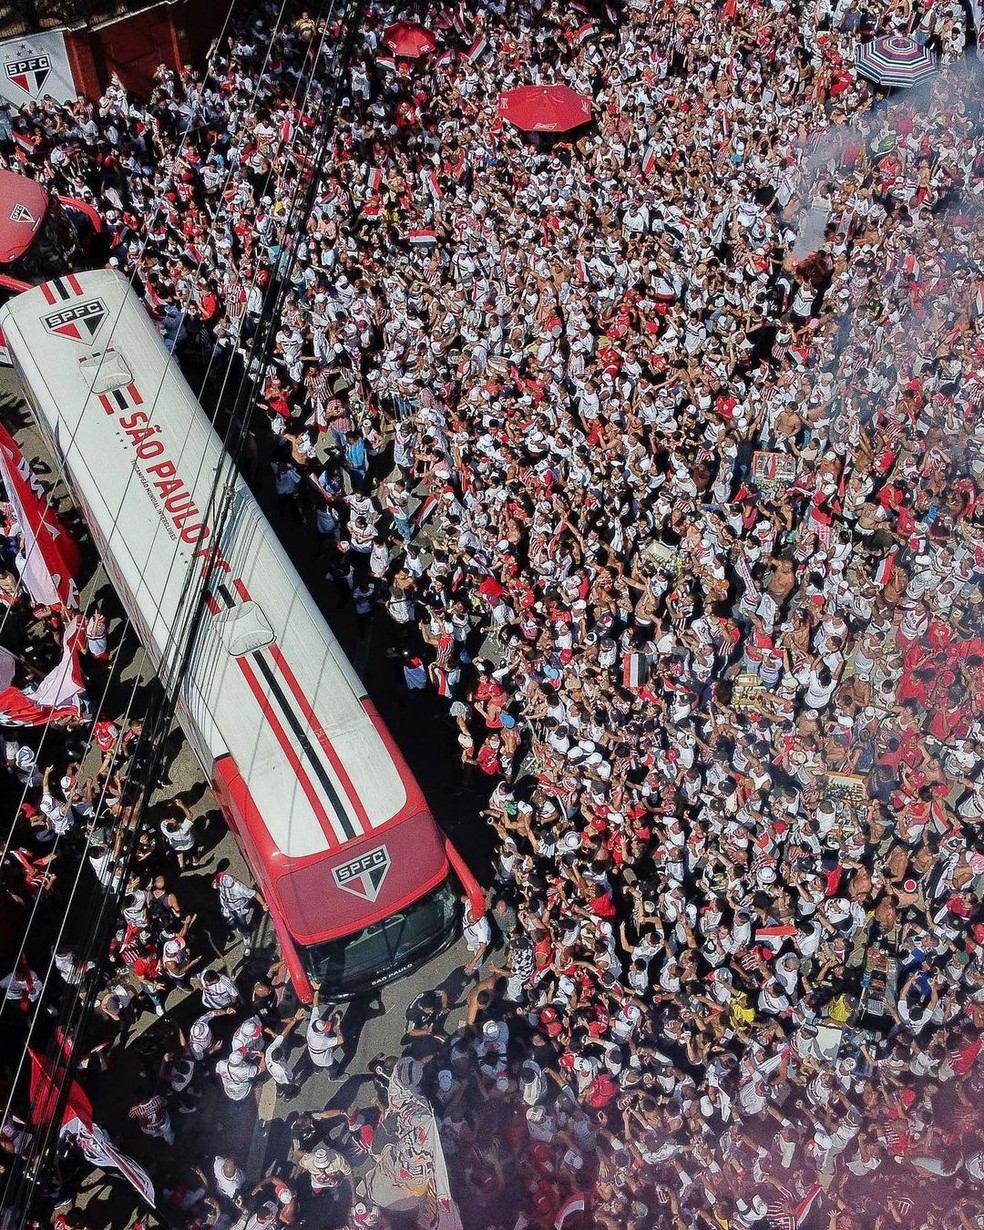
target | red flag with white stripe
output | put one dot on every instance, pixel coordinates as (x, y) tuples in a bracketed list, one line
[(52, 558), (576, 1204), (649, 159), (427, 506), (77, 1125)]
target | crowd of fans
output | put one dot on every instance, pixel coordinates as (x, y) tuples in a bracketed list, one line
[(656, 450)]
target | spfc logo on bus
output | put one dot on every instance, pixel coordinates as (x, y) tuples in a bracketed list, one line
[(20, 213), (29, 73), (364, 876), (80, 322)]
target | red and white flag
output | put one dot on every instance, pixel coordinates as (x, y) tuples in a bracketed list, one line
[(25, 146), (576, 1204), (63, 685), (583, 33), (17, 709), (649, 158), (57, 695), (458, 20), (634, 670), (478, 48), (52, 558), (78, 1127), (386, 61), (422, 238), (885, 569), (427, 506)]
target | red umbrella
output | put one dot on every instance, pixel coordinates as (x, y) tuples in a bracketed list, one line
[(409, 39), (544, 108)]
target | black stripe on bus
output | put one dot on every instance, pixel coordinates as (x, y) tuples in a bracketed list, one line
[(295, 724), (306, 744), (121, 400), (62, 288)]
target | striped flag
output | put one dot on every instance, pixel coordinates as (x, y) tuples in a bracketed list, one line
[(477, 49), (375, 179), (806, 1203), (386, 61), (427, 506), (576, 1204), (649, 159), (24, 145), (422, 238), (583, 33), (458, 21), (435, 185), (634, 670)]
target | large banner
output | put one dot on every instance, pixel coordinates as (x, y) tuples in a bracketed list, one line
[(411, 1174), (77, 1126), (36, 66), (51, 555)]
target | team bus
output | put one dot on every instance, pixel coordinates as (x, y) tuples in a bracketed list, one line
[(354, 868)]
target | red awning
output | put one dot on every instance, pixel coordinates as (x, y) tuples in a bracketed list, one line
[(544, 108), (23, 204)]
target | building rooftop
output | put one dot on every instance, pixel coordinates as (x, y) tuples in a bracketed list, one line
[(22, 18)]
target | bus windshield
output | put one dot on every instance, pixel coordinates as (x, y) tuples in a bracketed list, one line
[(348, 966)]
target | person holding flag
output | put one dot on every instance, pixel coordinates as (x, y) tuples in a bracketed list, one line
[(77, 1127)]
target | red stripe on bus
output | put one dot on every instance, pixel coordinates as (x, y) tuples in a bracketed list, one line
[(292, 757), (132, 390), (315, 725), (47, 292), (106, 404), (73, 281), (212, 604)]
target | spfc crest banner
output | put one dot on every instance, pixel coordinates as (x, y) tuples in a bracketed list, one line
[(35, 67)]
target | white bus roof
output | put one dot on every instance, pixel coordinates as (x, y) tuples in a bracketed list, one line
[(266, 681)]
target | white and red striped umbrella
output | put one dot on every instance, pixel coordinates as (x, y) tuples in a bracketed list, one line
[(895, 60)]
